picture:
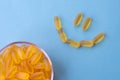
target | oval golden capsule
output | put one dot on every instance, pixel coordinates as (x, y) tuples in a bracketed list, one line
[(31, 50), (62, 35), (22, 76), (98, 38), (86, 43), (27, 67), (40, 66), (73, 43), (36, 57), (19, 51), (11, 72), (57, 23), (86, 23), (78, 19), (37, 76)]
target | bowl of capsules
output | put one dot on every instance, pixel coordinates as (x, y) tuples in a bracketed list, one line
[(25, 61)]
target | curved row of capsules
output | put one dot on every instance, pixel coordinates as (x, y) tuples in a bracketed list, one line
[(86, 43)]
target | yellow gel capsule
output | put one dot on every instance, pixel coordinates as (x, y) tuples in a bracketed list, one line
[(20, 52), (98, 38), (36, 57), (15, 57), (86, 43), (6, 53), (27, 67), (8, 63), (40, 66), (86, 23), (78, 19), (11, 72), (22, 76), (31, 50), (2, 77), (57, 22), (37, 76), (62, 35), (73, 43)]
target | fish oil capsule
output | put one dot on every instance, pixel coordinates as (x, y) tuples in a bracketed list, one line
[(11, 72), (62, 35), (98, 38), (22, 75), (40, 66), (36, 57), (15, 57), (57, 23), (86, 43), (27, 67), (31, 50), (5, 53), (20, 52), (37, 76), (73, 43), (86, 23), (78, 19), (8, 63)]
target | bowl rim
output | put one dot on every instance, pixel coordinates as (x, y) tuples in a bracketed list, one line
[(25, 42)]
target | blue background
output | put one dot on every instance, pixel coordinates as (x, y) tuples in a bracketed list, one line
[(32, 20)]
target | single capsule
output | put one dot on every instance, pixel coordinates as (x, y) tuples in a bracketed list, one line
[(86, 23), (37, 76), (27, 67), (11, 72), (8, 63), (86, 43), (31, 50), (6, 52), (22, 75), (40, 66), (18, 50), (78, 19), (98, 38), (62, 35), (15, 57), (57, 23), (36, 57), (73, 43)]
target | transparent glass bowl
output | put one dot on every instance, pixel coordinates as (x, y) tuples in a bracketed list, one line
[(29, 43)]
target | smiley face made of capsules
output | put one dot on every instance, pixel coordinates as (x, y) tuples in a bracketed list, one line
[(85, 26)]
